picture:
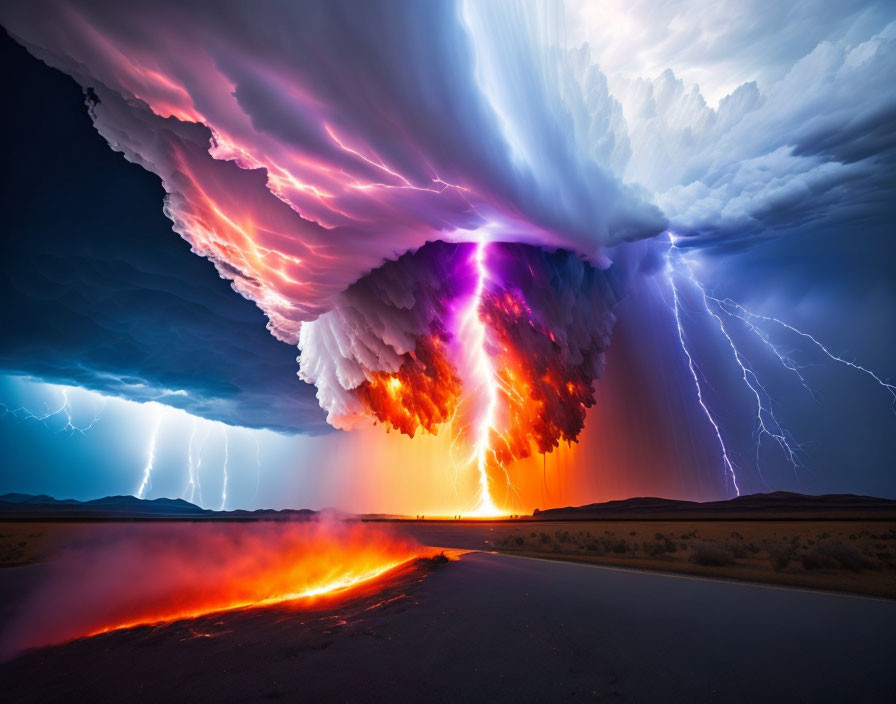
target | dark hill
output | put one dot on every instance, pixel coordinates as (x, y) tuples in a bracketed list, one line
[(776, 505), (43, 507)]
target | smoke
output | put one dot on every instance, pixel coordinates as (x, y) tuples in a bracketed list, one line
[(107, 577)]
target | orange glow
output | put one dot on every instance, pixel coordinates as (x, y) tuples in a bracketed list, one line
[(307, 561), (160, 573), (423, 393), (544, 398), (365, 569)]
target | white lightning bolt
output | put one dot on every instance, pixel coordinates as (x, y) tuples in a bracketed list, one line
[(146, 481), (190, 491), (728, 303), (257, 466), (473, 332), (226, 461), (64, 409), (676, 309), (766, 422), (199, 465)]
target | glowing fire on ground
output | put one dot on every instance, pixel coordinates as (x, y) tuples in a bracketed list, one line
[(152, 574)]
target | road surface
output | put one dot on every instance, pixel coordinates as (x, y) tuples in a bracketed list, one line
[(496, 628)]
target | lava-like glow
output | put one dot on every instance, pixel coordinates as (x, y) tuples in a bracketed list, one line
[(422, 394), (111, 578), (355, 576), (473, 334)]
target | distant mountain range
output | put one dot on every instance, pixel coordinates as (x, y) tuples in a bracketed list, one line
[(776, 505), (779, 505), (22, 506)]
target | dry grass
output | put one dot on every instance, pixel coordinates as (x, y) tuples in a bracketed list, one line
[(857, 557)]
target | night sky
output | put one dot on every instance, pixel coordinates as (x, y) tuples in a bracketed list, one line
[(787, 210)]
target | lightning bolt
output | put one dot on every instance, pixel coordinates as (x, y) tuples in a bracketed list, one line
[(257, 466), (727, 304), (226, 462), (199, 465), (767, 423), (64, 409), (473, 330), (190, 491), (146, 481), (676, 310)]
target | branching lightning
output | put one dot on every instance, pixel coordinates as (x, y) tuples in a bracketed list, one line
[(728, 305), (767, 423), (474, 333), (64, 409), (692, 367)]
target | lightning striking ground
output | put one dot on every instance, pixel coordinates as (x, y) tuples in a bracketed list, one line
[(473, 330), (692, 367), (146, 480), (715, 307), (190, 491), (767, 424), (226, 463)]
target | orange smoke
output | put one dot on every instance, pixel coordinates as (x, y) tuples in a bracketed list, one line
[(423, 393), (150, 574)]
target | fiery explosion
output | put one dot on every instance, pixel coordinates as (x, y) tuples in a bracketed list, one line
[(149, 574), (501, 342)]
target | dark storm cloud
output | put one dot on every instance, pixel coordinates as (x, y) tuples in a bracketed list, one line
[(95, 291), (372, 128), (815, 149)]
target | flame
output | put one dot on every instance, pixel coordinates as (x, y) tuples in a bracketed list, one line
[(152, 574), (423, 393), (544, 395)]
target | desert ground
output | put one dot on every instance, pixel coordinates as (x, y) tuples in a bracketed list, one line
[(502, 627), (850, 556)]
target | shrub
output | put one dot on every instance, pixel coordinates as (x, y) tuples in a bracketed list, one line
[(844, 556), (737, 550), (814, 561), (654, 549), (710, 555), (616, 546), (780, 558)]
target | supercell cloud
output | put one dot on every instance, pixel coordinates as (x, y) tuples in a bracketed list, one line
[(303, 163), (301, 146), (393, 182)]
